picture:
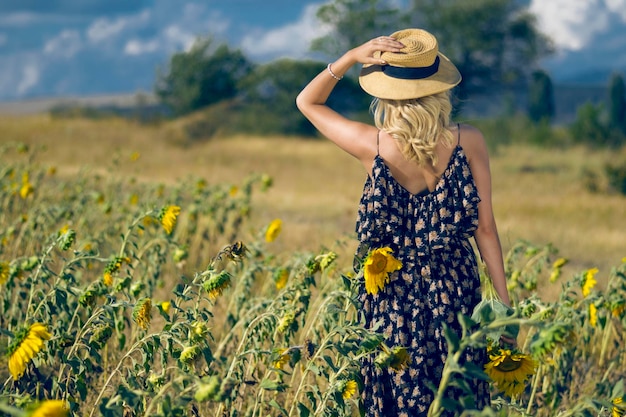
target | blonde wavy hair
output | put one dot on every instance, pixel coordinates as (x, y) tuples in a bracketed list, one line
[(417, 125)]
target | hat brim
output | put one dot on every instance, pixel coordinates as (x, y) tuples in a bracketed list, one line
[(378, 84)]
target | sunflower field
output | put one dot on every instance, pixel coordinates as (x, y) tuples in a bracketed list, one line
[(133, 298)]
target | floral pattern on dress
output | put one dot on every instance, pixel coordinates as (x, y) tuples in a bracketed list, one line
[(429, 233)]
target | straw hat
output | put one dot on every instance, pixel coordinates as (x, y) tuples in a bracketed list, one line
[(418, 70)]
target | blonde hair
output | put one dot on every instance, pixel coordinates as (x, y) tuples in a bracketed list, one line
[(417, 125)]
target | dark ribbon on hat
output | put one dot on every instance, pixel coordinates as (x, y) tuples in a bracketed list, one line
[(410, 73)]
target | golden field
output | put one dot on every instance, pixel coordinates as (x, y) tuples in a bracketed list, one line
[(539, 194), (140, 276)]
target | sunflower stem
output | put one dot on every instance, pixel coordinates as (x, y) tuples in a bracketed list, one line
[(535, 386)]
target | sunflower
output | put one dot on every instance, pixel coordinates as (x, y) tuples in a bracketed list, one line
[(556, 269), (281, 276), (27, 188), (509, 370), (282, 357), (286, 321), (273, 230), (107, 279), (51, 408), (589, 281), (165, 306), (593, 315), (216, 284), (112, 268), (189, 353), (25, 346), (349, 389), (4, 272), (618, 409), (397, 358), (378, 264), (168, 217), (141, 313)]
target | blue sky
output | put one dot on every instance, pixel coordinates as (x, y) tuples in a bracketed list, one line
[(81, 47)]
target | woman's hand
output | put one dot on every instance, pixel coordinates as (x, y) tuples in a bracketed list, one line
[(364, 54)]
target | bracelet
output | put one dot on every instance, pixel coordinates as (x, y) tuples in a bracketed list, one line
[(332, 74)]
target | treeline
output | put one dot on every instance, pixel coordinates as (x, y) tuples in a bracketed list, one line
[(495, 44), (487, 39)]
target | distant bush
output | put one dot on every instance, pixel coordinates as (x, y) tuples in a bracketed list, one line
[(520, 129), (592, 127), (616, 176)]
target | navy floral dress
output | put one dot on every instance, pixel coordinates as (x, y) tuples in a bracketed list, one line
[(429, 233)]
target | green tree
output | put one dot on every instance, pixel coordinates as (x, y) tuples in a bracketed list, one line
[(540, 97), (589, 127), (617, 103), (494, 43), (271, 90), (202, 76), (353, 22)]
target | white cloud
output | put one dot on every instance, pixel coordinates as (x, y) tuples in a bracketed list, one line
[(572, 24), (18, 19), (617, 6), (291, 40), (103, 28), (140, 47), (178, 38), (30, 78), (66, 44)]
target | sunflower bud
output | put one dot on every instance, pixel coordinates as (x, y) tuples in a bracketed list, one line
[(207, 390)]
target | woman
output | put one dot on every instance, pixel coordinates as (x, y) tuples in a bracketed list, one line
[(428, 191)]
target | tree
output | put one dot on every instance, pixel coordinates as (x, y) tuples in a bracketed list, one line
[(617, 103), (271, 90), (201, 76), (494, 43), (540, 97), (353, 22)]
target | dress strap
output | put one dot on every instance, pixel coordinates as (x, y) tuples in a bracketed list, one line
[(377, 143), (458, 130)]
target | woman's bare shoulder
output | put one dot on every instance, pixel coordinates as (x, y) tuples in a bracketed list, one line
[(473, 142)]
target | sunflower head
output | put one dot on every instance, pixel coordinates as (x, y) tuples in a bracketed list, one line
[(281, 357), (593, 315), (326, 259), (142, 313), (397, 358), (273, 230), (589, 281), (281, 276), (286, 322), (376, 268), (509, 370), (619, 408), (4, 272), (168, 218), (216, 284), (348, 388), (51, 408), (25, 345)]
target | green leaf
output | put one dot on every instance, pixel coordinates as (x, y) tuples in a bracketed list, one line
[(277, 406), (451, 338), (270, 385), (304, 411)]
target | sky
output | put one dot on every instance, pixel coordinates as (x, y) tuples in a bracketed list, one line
[(53, 48)]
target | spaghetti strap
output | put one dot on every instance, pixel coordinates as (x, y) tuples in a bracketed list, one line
[(377, 143), (458, 129)]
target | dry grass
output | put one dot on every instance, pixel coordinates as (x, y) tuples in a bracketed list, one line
[(539, 194)]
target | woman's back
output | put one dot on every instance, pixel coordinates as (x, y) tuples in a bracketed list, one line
[(413, 177)]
